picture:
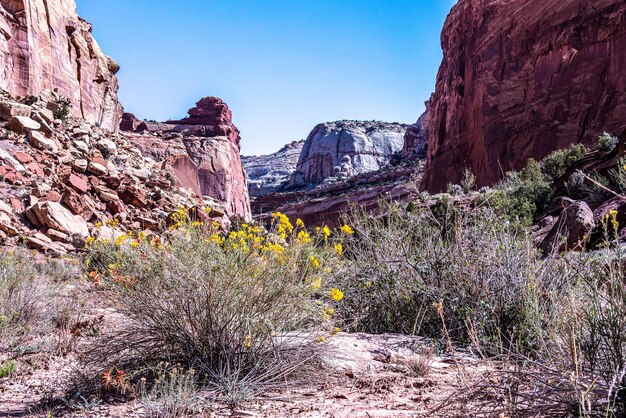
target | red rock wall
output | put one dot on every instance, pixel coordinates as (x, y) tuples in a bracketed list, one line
[(44, 44), (521, 78)]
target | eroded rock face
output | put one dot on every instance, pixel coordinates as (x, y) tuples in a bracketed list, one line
[(369, 144), (202, 151), (268, 173), (521, 78), (46, 45), (416, 136)]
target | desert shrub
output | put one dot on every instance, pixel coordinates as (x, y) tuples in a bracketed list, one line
[(617, 176), (7, 369), (454, 189), (468, 182), (477, 272), (480, 282), (250, 306), (522, 196), (557, 162), (64, 109), (606, 143), (173, 394), (23, 295)]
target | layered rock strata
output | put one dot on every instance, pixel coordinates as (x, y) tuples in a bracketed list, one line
[(47, 46), (203, 151)]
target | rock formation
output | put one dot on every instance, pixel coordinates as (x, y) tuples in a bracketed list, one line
[(46, 45), (203, 151), (521, 78), (370, 145), (59, 179), (325, 204), (268, 173), (416, 136)]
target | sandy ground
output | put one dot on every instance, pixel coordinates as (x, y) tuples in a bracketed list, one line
[(363, 376)]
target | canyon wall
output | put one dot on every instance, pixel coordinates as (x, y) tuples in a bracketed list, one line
[(521, 78), (46, 45)]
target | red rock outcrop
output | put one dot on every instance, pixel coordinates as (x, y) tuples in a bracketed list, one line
[(46, 45), (521, 78), (203, 151)]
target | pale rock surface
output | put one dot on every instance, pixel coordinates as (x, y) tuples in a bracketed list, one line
[(268, 173), (369, 144)]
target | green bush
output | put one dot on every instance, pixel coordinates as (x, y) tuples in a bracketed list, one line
[(556, 163)]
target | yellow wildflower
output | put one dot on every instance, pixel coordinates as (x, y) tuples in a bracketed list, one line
[(314, 261), (321, 339), (336, 294), (89, 241), (339, 248), (304, 237), (326, 231), (347, 230), (299, 223), (335, 331)]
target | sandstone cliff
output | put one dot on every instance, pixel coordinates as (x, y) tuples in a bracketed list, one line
[(370, 145), (46, 45), (268, 173), (521, 78), (203, 151)]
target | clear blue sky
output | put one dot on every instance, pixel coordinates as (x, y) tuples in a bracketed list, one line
[(281, 65)]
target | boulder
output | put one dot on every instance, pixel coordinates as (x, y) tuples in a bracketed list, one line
[(571, 231), (39, 141), (23, 124), (54, 215), (8, 110)]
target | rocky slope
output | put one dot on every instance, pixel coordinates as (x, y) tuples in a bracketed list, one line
[(370, 145), (521, 78), (59, 180), (203, 151), (268, 173), (46, 45)]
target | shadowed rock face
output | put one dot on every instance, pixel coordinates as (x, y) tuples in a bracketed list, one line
[(268, 173), (416, 136), (202, 150), (46, 45), (521, 78), (369, 144)]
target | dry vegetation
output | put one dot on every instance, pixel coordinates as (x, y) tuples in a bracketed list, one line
[(196, 316)]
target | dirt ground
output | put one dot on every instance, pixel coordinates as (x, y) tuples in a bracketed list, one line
[(363, 376)]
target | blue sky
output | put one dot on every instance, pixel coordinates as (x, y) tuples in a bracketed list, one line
[(281, 65)]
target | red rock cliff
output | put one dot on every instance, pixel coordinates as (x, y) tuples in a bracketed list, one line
[(203, 150), (44, 44), (521, 78)]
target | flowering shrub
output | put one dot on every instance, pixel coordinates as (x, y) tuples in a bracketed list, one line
[(249, 301)]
